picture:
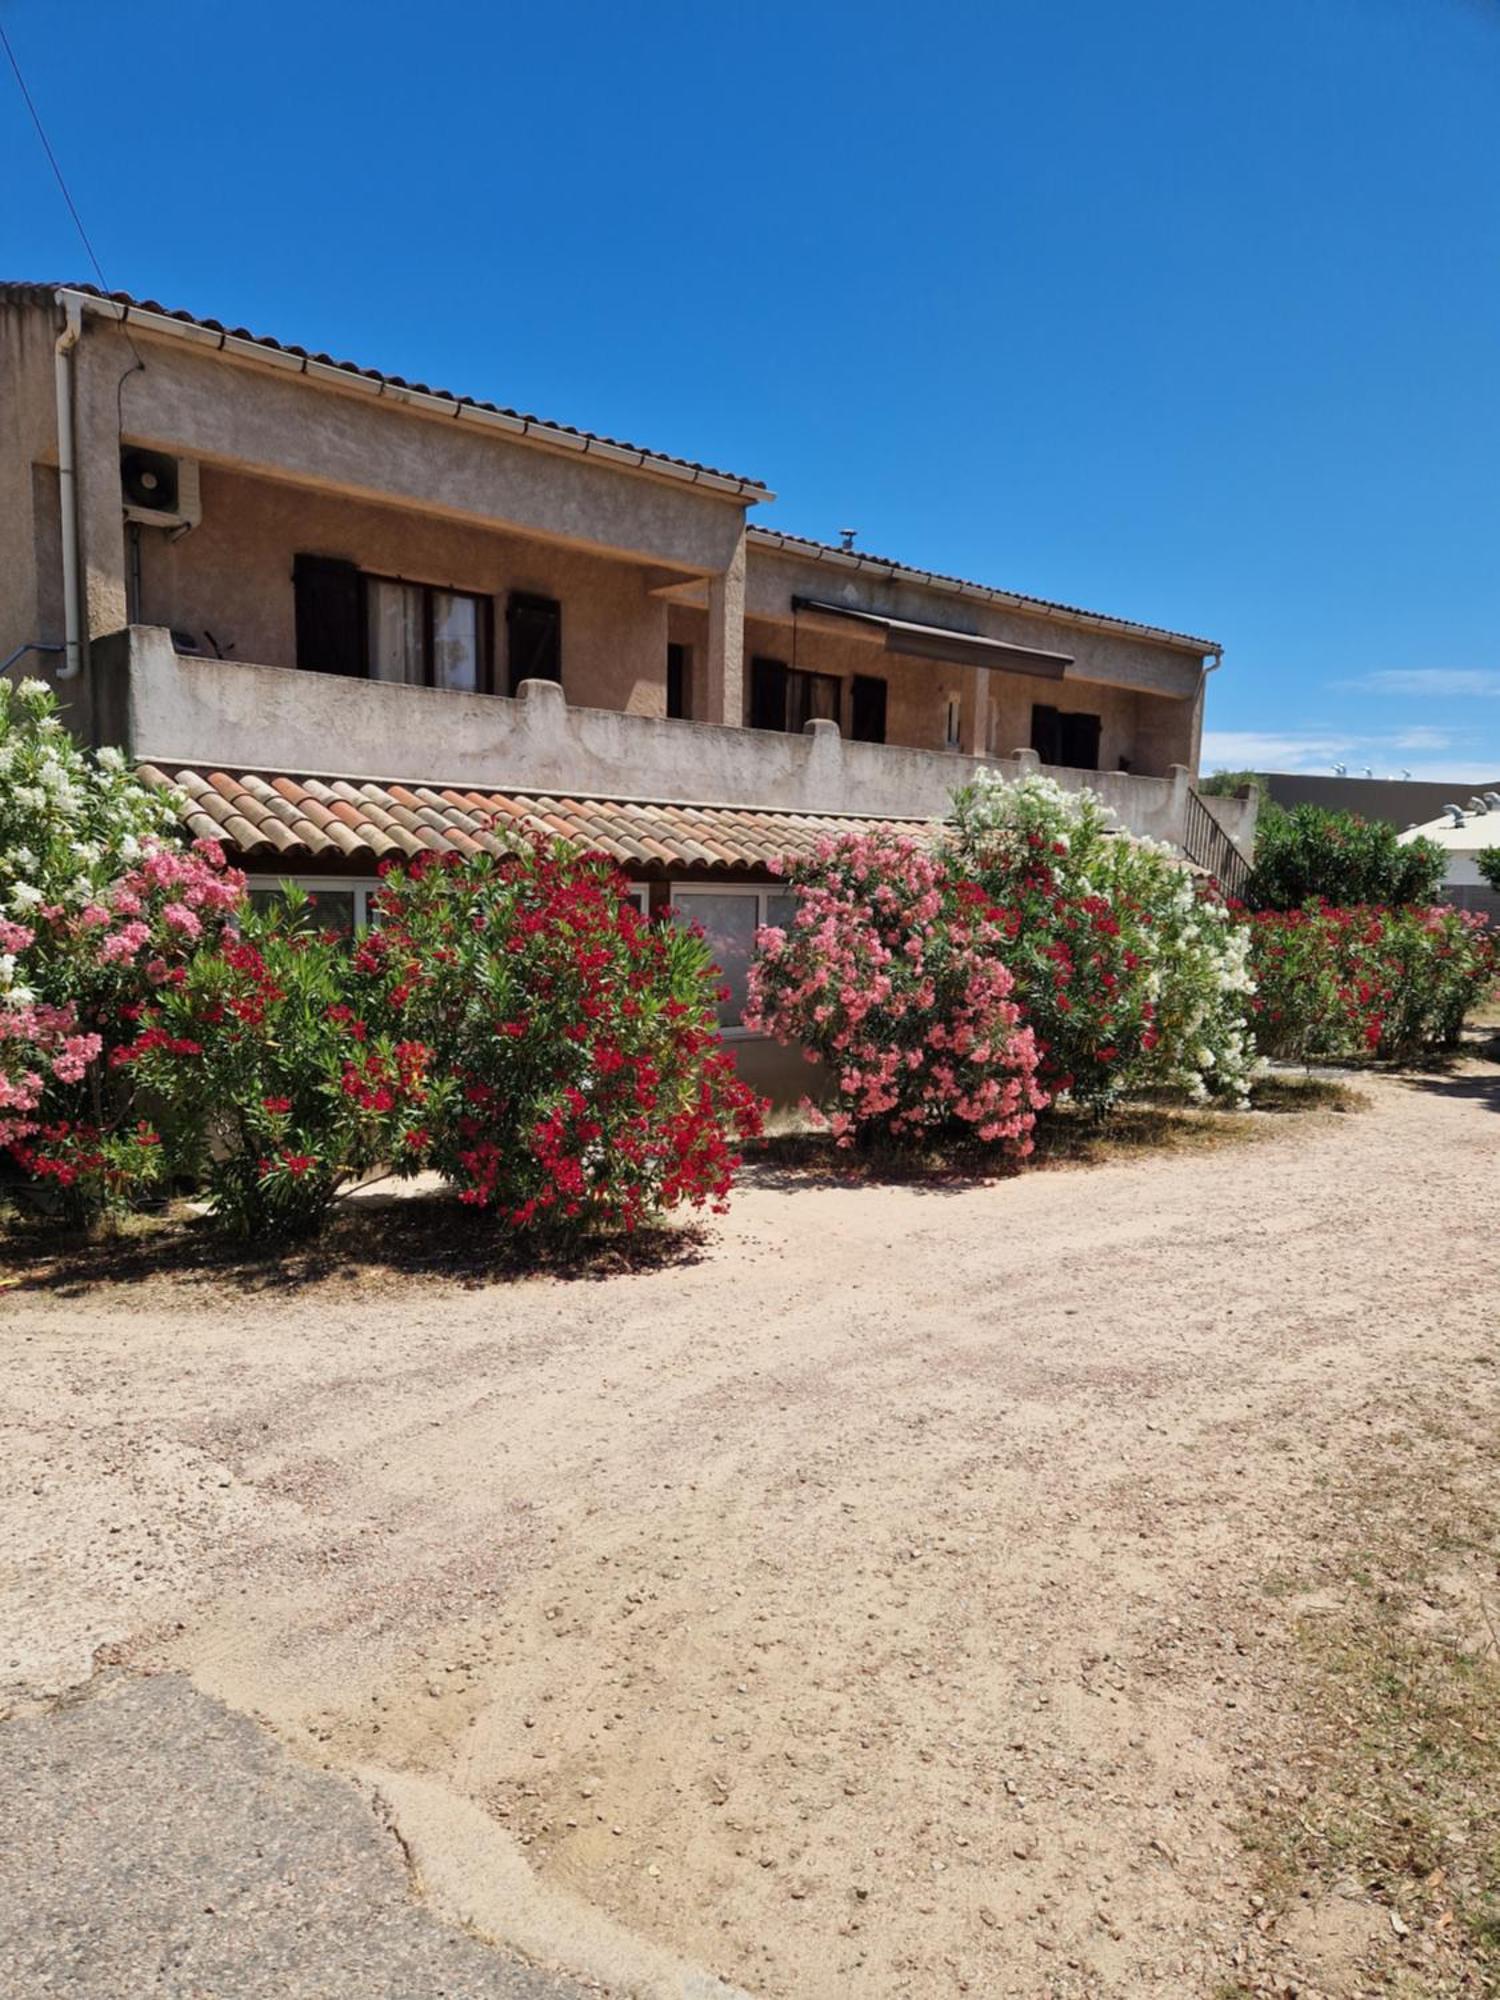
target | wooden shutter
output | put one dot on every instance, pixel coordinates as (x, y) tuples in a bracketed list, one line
[(1080, 742), (1046, 733), (330, 615), (678, 664), (867, 709), (768, 694), (534, 638)]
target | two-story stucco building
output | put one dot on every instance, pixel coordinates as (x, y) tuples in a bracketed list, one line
[(351, 616)]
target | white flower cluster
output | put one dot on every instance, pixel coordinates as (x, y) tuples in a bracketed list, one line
[(1199, 979)]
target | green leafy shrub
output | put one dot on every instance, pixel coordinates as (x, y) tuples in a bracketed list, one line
[(1489, 866), (1312, 855), (1131, 976)]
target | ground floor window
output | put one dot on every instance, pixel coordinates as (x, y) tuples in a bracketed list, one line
[(348, 907), (729, 917), (1068, 739), (341, 906)]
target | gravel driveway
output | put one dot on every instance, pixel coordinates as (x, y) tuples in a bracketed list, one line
[(873, 1602)]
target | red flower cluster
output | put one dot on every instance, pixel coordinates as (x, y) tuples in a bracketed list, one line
[(586, 1083)]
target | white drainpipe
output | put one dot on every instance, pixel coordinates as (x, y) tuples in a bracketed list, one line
[(67, 340)]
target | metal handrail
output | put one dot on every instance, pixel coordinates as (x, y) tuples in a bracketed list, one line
[(1208, 846)]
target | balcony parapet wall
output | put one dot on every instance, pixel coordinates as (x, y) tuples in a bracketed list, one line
[(170, 709)]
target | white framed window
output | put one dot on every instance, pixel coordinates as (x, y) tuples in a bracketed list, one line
[(730, 914), (338, 904), (346, 906)]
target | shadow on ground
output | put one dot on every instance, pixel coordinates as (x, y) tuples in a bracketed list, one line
[(416, 1236)]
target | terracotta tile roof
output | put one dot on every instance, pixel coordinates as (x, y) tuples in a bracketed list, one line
[(270, 820), (124, 306), (776, 539)]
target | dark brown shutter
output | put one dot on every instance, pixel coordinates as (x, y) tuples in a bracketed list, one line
[(677, 681), (1046, 733), (1080, 745), (867, 709), (330, 615), (534, 638), (768, 694)]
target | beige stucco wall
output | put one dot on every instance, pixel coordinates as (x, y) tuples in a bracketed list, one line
[(237, 715), (1151, 731), (30, 603), (233, 576), (330, 433), (776, 576)]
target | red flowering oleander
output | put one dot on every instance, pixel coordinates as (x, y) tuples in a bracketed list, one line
[(1366, 980), (585, 1083)]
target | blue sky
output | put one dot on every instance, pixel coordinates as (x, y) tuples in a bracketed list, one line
[(1184, 311)]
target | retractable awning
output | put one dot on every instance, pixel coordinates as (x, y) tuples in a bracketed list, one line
[(936, 642)]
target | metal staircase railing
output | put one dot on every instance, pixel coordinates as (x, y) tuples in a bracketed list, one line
[(1208, 846)]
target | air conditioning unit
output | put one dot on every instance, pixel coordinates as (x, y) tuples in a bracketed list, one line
[(159, 491)]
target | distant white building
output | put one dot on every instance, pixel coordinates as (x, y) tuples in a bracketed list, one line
[(1463, 832)]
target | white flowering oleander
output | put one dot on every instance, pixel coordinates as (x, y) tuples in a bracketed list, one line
[(70, 821), (1198, 973)]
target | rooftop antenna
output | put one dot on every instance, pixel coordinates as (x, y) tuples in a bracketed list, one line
[(846, 540), (1341, 770), (1368, 772), (1406, 774)]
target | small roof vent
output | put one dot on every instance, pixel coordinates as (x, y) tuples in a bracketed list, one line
[(846, 540)]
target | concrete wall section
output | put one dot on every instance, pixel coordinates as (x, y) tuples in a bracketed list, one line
[(232, 715)]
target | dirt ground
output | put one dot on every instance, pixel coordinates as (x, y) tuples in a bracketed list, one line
[(882, 1599)]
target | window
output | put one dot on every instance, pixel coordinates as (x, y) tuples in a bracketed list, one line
[(786, 698), (418, 634), (1068, 739), (424, 636), (730, 917), (679, 682), (533, 627), (867, 709), (337, 905)]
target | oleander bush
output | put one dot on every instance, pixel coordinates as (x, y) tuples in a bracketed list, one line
[(101, 910), (893, 971), (585, 1083), (1337, 983), (1131, 974), (277, 1082)]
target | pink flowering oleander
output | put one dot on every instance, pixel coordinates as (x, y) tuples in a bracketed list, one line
[(891, 973)]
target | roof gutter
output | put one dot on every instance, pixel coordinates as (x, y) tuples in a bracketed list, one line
[(67, 474), (530, 430)]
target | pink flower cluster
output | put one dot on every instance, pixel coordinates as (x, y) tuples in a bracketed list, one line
[(37, 1042), (892, 974)]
